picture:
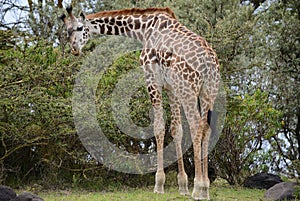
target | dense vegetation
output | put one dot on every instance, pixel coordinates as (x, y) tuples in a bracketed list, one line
[(258, 45)]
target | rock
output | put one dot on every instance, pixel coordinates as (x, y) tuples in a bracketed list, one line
[(27, 197), (262, 181), (212, 174), (6, 193), (281, 191)]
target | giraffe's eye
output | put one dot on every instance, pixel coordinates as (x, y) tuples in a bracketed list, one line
[(79, 28)]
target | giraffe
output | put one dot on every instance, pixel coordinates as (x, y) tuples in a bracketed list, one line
[(175, 59)]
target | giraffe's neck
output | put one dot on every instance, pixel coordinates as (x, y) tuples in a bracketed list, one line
[(133, 26)]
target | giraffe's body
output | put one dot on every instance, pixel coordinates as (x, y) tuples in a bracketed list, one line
[(173, 58)]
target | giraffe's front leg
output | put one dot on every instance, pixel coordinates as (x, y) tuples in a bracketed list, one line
[(152, 75), (159, 136), (159, 181), (159, 132)]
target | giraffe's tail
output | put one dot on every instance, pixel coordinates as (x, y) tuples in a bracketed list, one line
[(212, 120)]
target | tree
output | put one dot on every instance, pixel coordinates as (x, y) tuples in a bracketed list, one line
[(281, 60)]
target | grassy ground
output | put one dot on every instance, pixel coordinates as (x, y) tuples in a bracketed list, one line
[(217, 194), (219, 191)]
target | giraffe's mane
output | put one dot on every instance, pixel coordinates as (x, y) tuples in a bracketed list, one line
[(132, 11)]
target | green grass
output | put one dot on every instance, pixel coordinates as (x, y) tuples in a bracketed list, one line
[(219, 191), (217, 194)]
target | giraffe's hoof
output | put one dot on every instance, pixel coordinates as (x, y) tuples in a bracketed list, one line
[(183, 184), (158, 190), (201, 194), (159, 182), (200, 197), (184, 192), (200, 191)]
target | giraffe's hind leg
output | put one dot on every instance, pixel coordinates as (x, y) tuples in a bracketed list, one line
[(205, 183), (197, 128), (204, 132), (201, 182), (200, 144)]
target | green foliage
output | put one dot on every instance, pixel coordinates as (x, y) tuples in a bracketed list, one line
[(104, 94), (139, 107), (242, 143), (36, 125)]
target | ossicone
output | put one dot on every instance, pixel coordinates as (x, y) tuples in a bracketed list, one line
[(69, 9), (63, 17)]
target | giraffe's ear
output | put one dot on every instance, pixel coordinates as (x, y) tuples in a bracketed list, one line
[(82, 15), (69, 11)]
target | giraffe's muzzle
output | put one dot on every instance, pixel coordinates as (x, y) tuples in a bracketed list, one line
[(74, 52)]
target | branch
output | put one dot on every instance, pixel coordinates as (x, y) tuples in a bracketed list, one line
[(12, 83), (8, 153)]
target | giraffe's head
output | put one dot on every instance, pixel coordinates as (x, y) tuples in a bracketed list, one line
[(78, 33)]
